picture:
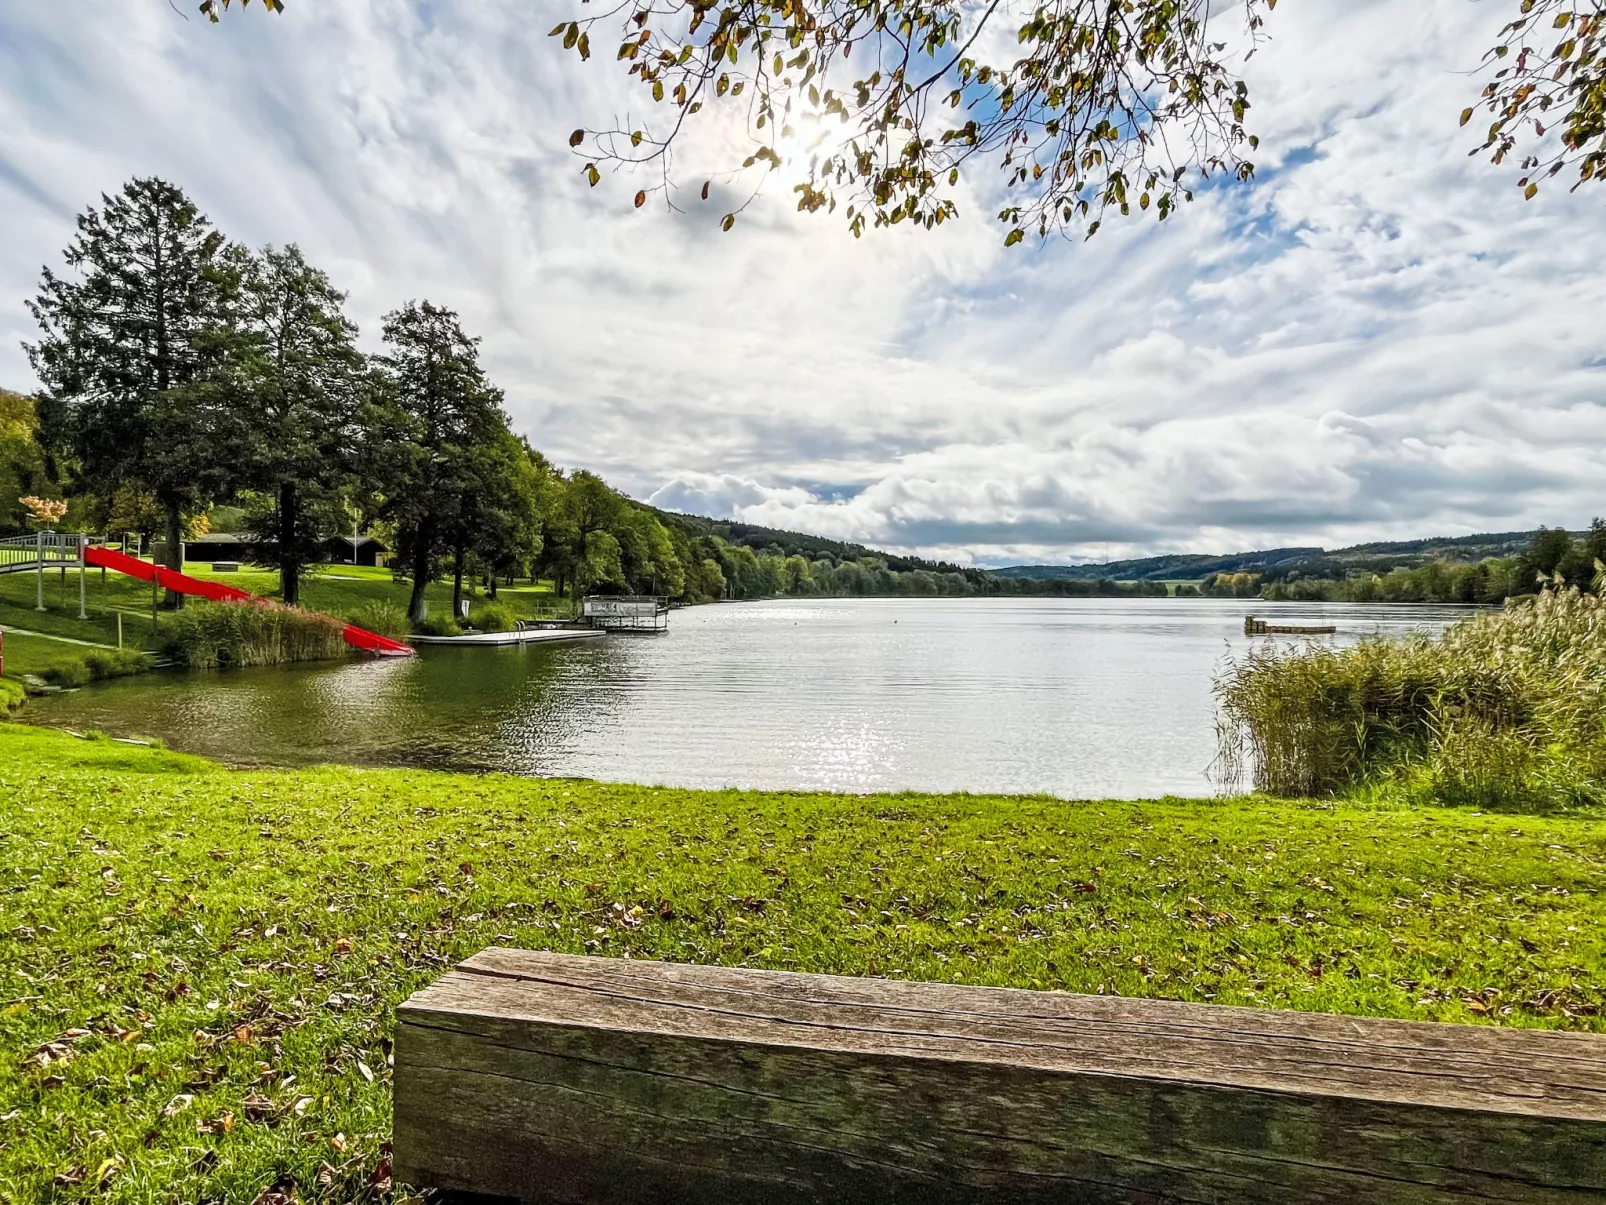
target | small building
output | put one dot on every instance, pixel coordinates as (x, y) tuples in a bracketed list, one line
[(355, 550), (626, 612)]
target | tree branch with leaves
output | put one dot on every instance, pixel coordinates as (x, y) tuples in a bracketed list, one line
[(1110, 104)]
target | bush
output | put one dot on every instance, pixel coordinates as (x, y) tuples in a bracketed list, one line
[(208, 634), (382, 618), (437, 625), (1505, 710), (69, 674), (493, 617), (115, 663)]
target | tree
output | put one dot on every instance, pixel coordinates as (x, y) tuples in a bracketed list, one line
[(497, 521), (433, 413), (297, 422), (132, 349), (22, 468)]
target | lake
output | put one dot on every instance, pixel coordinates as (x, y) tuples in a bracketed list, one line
[(1071, 697)]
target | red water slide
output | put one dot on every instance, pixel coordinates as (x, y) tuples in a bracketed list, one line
[(119, 562)]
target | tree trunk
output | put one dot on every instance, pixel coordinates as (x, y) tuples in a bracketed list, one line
[(415, 607), (174, 553), (289, 564)]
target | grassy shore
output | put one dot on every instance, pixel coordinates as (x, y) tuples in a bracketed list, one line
[(338, 590), (201, 966)]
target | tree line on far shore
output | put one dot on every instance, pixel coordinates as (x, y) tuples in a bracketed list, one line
[(1553, 557)]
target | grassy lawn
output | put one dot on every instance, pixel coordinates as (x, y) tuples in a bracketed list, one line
[(339, 590), (200, 966)]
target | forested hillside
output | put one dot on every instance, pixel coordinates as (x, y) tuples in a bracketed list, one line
[(1278, 563)]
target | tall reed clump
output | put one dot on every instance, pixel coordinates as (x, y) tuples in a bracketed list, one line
[(208, 634), (1505, 710), (382, 617)]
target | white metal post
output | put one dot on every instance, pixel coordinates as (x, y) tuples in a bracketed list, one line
[(39, 601), (83, 541)]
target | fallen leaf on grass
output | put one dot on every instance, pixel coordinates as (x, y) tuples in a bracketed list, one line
[(177, 1105), (73, 1175)]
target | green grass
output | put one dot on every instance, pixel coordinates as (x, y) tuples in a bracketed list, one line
[(65, 663), (201, 966), (338, 590)]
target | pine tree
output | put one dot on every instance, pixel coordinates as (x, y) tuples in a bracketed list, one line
[(133, 350), (298, 412), (436, 414)]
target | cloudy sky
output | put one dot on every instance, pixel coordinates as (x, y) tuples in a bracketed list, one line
[(1377, 339)]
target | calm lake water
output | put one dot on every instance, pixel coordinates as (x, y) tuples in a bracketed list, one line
[(1073, 697)]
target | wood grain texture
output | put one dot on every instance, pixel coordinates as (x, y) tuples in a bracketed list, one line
[(551, 1078)]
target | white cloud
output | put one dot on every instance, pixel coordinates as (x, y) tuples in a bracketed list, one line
[(1378, 339)]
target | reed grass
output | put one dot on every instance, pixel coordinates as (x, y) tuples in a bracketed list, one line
[(382, 617), (493, 617), (1506, 710), (205, 635)]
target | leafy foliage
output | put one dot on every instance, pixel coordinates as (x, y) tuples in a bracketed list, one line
[(1549, 81), (22, 466), (1112, 103)]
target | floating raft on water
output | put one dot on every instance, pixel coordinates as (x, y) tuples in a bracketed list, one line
[(1259, 627)]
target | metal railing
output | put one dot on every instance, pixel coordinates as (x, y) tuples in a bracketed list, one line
[(42, 549)]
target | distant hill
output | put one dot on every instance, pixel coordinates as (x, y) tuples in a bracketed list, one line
[(1272, 563), (1279, 562), (793, 543)]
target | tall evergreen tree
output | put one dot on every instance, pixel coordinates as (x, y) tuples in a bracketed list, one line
[(132, 349), (298, 411), (436, 416)]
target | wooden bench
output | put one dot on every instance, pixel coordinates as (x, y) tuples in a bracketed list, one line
[(545, 1077)]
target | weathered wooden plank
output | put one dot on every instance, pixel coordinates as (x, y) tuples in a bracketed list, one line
[(546, 1077)]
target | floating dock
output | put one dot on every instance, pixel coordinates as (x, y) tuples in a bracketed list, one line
[(1259, 627), (527, 636)]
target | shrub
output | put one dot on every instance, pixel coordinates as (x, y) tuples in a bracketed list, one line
[(115, 663), (437, 625), (208, 634), (70, 673), (493, 617), (382, 618), (1505, 710)]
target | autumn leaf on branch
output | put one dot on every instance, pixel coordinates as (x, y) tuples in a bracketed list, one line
[(1094, 105), (1549, 79), (211, 7)]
